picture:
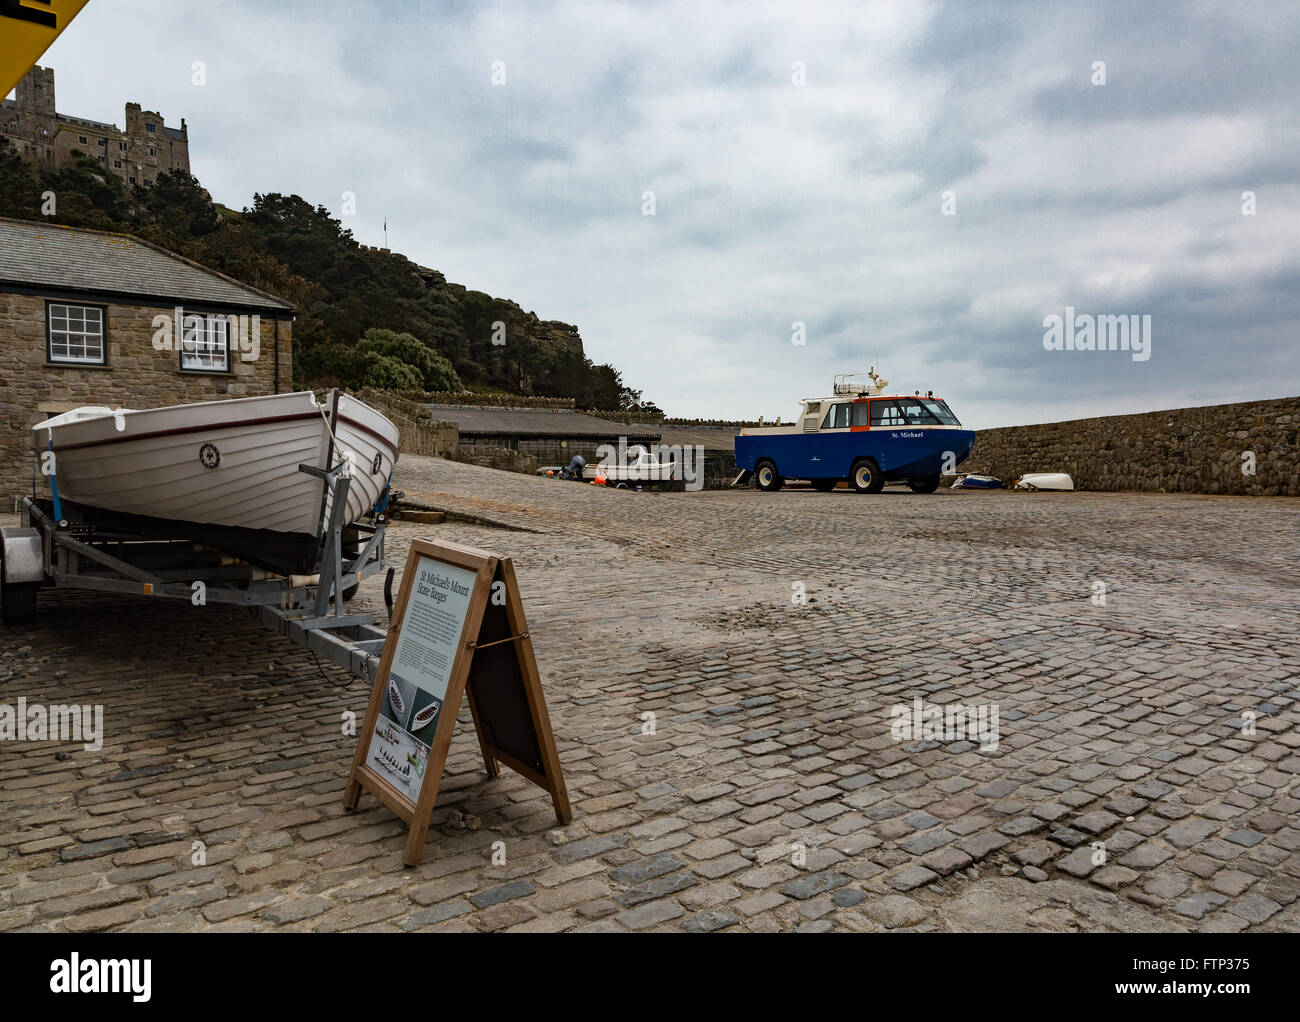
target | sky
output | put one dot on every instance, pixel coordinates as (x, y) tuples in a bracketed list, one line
[(913, 186)]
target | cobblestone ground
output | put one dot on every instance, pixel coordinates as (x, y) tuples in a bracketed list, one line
[(1160, 726)]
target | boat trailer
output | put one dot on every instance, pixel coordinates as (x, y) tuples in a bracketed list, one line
[(67, 547)]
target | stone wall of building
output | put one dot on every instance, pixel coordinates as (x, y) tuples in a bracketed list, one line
[(1185, 450), (136, 376)]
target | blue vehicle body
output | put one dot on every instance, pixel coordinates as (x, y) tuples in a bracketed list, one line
[(902, 453)]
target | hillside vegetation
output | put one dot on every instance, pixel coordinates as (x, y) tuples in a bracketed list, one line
[(365, 317)]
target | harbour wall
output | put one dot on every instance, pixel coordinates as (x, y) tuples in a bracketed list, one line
[(1248, 448)]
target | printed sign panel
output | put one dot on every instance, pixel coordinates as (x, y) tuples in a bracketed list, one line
[(416, 688)]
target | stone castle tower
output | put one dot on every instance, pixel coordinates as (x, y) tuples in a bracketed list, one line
[(48, 139)]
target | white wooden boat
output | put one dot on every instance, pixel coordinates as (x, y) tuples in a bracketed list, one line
[(226, 472)]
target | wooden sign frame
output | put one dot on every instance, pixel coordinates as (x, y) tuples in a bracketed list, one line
[(505, 694)]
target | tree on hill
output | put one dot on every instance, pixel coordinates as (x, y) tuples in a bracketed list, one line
[(364, 316)]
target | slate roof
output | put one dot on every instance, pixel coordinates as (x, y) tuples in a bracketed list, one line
[(711, 438), (536, 422), (38, 255)]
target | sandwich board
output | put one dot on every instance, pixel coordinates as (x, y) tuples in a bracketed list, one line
[(458, 628)]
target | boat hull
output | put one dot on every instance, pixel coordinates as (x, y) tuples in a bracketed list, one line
[(228, 468)]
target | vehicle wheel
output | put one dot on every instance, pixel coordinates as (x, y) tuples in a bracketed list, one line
[(767, 477), (18, 602), (926, 485), (350, 592), (867, 477), (825, 485)]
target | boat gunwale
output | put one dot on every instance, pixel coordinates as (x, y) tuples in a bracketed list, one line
[(214, 427)]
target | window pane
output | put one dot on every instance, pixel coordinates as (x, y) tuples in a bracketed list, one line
[(837, 416), (941, 412), (916, 414), (886, 413), (860, 413), (204, 345), (76, 334)]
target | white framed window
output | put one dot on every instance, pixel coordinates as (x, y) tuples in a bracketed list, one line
[(75, 334), (205, 344)]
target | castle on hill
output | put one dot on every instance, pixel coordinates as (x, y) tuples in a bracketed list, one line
[(49, 139)]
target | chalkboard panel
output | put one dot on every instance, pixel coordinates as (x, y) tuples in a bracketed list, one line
[(496, 684)]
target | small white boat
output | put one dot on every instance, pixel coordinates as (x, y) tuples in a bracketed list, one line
[(228, 467), (1045, 481)]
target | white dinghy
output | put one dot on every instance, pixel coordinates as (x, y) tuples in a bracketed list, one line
[(1045, 481)]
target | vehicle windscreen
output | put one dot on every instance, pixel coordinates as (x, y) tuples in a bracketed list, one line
[(941, 411), (916, 411)]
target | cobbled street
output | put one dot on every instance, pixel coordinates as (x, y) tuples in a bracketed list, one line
[(1141, 652)]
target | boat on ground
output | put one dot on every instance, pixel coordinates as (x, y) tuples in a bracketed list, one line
[(1045, 481), (970, 481), (861, 434), (223, 473)]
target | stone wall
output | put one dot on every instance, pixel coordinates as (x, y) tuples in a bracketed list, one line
[(502, 458), (1185, 450), (418, 432), (137, 376)]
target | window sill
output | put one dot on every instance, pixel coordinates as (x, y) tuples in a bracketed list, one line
[(76, 365)]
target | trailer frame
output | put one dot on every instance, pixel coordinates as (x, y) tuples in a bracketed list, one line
[(64, 546)]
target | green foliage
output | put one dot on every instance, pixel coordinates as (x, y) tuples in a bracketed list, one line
[(433, 372), (363, 316), (384, 372)]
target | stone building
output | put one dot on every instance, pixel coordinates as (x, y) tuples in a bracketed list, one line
[(141, 151), (550, 435), (92, 318)]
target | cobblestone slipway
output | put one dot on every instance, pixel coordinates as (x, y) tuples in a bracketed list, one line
[(1159, 728)]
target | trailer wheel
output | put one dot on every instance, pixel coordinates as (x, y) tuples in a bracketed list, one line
[(927, 485), (768, 478), (825, 485), (867, 477), (18, 602)]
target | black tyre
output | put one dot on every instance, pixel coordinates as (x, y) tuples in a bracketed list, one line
[(350, 592), (867, 477), (825, 485), (767, 477), (926, 485), (18, 602)]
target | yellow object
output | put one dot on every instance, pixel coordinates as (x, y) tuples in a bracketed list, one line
[(27, 28)]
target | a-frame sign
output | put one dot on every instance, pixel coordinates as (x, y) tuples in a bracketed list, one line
[(458, 627)]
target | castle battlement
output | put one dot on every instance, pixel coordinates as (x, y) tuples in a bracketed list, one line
[(138, 153)]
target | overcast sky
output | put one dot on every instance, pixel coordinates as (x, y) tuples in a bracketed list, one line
[(777, 202)]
